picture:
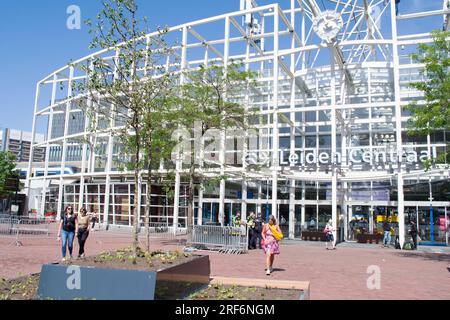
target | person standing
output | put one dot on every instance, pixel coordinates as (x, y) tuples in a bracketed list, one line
[(329, 235), (251, 231), (236, 220), (271, 235), (67, 230), (258, 230), (94, 219), (312, 224), (413, 232), (387, 233), (83, 230)]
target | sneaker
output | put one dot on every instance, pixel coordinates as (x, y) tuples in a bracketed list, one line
[(63, 260), (268, 272), (83, 256)]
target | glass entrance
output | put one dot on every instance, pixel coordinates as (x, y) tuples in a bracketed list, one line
[(210, 213), (433, 225), (284, 219)]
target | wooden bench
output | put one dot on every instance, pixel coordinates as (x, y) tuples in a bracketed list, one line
[(369, 238), (313, 236)]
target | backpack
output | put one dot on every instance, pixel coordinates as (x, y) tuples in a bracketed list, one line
[(408, 246)]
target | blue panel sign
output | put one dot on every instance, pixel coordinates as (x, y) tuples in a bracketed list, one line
[(60, 282)]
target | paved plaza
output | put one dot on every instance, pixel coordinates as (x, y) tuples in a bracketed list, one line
[(340, 274)]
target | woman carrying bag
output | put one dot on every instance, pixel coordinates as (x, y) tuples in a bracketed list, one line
[(271, 236)]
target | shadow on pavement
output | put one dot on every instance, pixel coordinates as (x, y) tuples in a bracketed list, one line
[(429, 256)]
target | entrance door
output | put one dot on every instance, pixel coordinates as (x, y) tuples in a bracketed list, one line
[(432, 229), (284, 219), (210, 213)]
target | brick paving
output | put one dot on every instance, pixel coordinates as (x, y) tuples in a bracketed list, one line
[(340, 274)]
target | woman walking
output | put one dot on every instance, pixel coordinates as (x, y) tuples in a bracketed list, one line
[(271, 235), (67, 229), (329, 235), (83, 230)]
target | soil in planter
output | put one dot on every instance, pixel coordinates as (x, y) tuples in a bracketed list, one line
[(123, 259), (222, 292), (24, 288)]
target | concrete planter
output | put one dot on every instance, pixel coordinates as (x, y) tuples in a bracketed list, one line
[(198, 270)]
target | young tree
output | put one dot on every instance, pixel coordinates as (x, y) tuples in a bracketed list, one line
[(8, 175), (211, 98), (434, 115), (126, 93)]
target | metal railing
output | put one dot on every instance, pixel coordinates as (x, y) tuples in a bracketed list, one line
[(9, 229), (18, 228), (157, 230), (164, 230), (31, 226), (228, 240)]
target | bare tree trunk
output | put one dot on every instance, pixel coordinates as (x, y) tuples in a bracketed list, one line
[(136, 215), (147, 209), (137, 185), (191, 194)]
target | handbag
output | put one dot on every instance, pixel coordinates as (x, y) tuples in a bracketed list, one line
[(276, 234)]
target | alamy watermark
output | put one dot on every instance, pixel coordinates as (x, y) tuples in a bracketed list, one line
[(374, 280), (74, 279), (74, 20)]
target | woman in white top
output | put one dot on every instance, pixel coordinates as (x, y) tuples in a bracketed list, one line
[(329, 235)]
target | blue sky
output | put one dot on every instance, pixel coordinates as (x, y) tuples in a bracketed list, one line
[(35, 41)]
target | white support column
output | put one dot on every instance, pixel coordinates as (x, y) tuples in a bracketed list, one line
[(398, 113), (179, 166), (83, 168), (64, 147), (47, 148), (292, 133), (276, 141), (108, 182), (292, 210), (84, 160), (334, 164), (303, 203), (258, 207), (110, 149), (200, 206), (246, 137), (33, 137), (222, 133)]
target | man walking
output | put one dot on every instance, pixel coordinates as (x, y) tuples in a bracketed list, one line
[(387, 233)]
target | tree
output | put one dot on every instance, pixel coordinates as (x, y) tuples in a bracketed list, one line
[(211, 98), (8, 174), (126, 94), (434, 115)]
